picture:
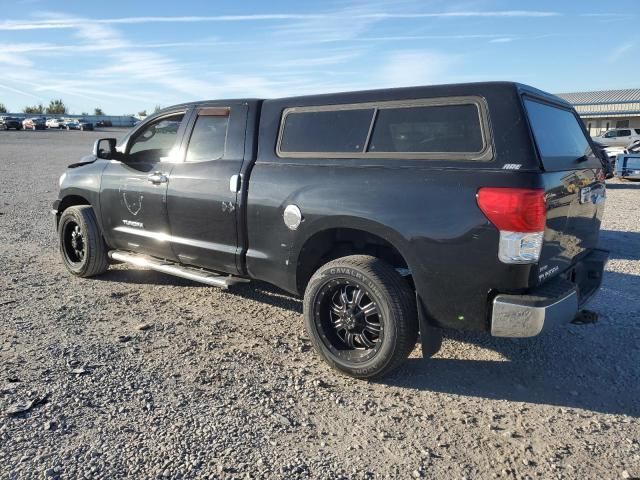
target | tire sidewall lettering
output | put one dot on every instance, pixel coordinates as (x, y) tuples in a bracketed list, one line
[(357, 276)]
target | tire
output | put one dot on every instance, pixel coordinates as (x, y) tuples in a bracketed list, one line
[(85, 256), (354, 342)]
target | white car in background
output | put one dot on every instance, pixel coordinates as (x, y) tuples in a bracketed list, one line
[(618, 137), (55, 123)]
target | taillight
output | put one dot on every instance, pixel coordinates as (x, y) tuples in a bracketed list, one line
[(520, 215)]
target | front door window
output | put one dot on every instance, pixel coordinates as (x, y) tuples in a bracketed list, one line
[(155, 142)]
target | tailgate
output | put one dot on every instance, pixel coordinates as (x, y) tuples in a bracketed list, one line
[(574, 186), (575, 204)]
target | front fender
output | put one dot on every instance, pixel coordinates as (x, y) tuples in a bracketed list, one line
[(80, 185)]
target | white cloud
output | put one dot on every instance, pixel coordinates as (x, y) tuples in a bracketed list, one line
[(317, 61), (74, 48), (20, 92), (408, 68), (460, 36), (125, 67), (72, 22), (341, 25), (14, 60), (330, 21), (501, 40), (503, 13), (134, 72), (607, 15), (620, 51)]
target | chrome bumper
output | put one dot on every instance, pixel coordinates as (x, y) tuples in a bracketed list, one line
[(555, 302), (525, 315)]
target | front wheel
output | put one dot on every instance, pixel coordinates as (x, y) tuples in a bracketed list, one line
[(361, 316), (82, 246)]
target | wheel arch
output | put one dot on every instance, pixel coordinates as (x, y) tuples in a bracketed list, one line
[(347, 238), (67, 201), (326, 244)]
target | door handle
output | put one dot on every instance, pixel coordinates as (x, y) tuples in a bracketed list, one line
[(235, 183), (157, 178)]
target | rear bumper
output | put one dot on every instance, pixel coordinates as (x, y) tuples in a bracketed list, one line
[(630, 175), (554, 303)]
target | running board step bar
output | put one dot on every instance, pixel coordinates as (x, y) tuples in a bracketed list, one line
[(171, 268)]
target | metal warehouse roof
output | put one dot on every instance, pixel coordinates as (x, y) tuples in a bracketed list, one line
[(630, 95)]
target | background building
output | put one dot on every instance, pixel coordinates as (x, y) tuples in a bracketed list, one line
[(605, 109)]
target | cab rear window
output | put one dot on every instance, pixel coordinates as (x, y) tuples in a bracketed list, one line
[(561, 141)]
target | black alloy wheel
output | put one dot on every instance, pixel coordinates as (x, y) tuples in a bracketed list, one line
[(83, 249), (361, 315), (349, 320), (73, 243)]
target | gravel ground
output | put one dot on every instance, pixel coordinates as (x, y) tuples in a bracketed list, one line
[(140, 375)]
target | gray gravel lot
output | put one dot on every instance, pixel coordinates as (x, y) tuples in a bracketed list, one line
[(140, 375)]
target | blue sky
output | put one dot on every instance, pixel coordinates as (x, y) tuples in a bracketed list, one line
[(126, 56)]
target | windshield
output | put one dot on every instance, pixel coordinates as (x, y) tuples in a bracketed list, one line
[(560, 139)]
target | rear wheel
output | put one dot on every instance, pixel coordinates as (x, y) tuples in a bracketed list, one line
[(361, 316), (82, 246)]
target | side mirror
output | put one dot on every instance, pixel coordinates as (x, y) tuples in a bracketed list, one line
[(105, 148)]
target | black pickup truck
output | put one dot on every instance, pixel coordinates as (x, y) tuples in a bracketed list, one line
[(394, 213)]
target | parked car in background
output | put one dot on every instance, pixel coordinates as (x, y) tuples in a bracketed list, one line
[(607, 160), (634, 147), (608, 155), (618, 136), (628, 166), (35, 123), (55, 123), (65, 121), (78, 124), (10, 122), (104, 123)]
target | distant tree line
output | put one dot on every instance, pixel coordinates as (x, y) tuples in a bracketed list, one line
[(56, 107)]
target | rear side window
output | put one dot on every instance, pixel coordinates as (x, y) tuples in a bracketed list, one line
[(446, 128), (624, 133), (334, 131), (208, 139), (561, 142), (637, 130)]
